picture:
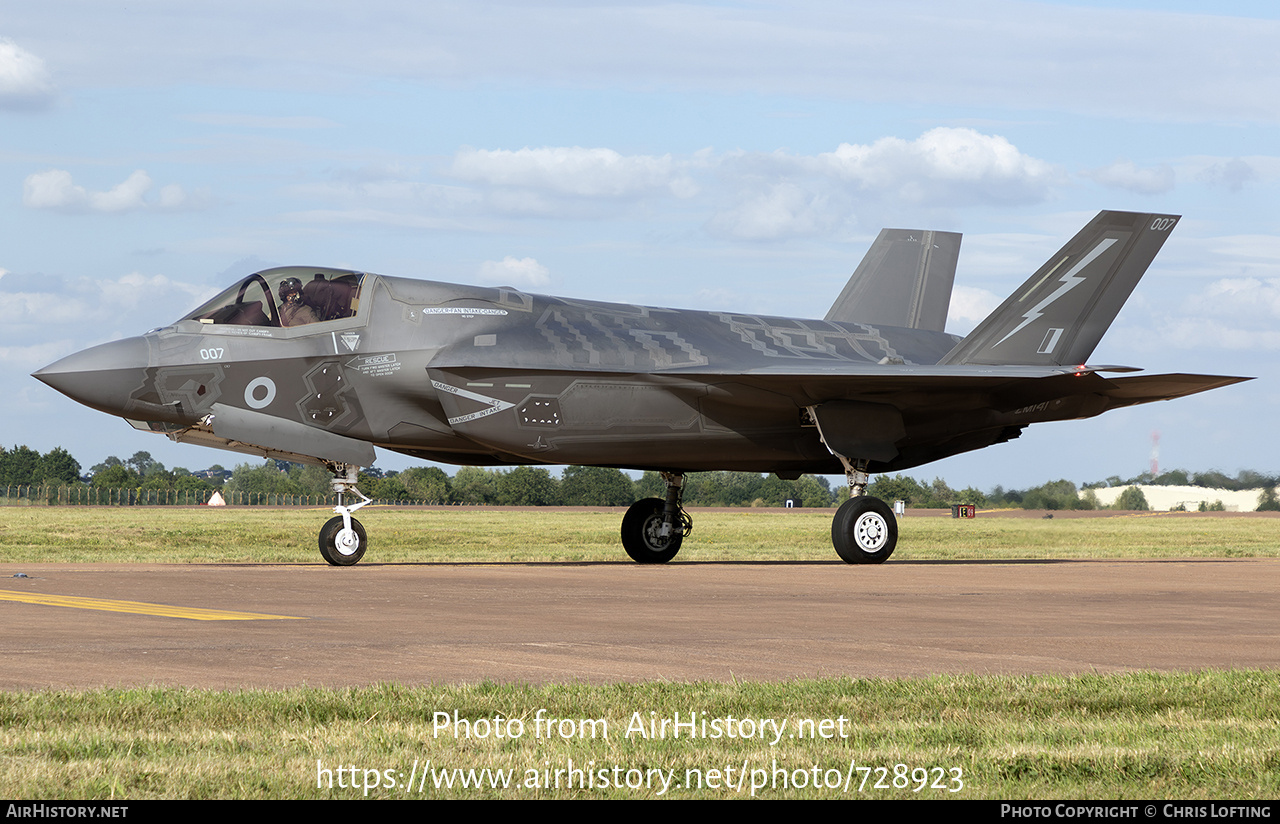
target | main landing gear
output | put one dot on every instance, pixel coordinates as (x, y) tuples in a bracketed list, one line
[(342, 539), (653, 528), (864, 530)]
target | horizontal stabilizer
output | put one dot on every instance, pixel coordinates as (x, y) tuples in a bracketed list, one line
[(1137, 389), (904, 280), (1058, 316)]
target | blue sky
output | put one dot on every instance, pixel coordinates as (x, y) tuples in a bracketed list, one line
[(706, 155)]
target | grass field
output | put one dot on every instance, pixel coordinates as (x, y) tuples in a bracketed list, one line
[(1207, 735), (1212, 735), (495, 535)]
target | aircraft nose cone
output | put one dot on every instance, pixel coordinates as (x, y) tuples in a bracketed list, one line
[(102, 377)]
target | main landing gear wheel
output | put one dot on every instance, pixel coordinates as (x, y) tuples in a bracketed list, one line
[(864, 531), (641, 538), (341, 546)]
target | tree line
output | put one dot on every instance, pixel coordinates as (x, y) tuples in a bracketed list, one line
[(517, 486), (584, 485)]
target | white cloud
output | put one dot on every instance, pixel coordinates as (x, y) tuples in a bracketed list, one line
[(1240, 314), (85, 310), (1245, 300), (969, 306), (32, 357), (1233, 174), (785, 195), (512, 271), (1125, 174), (944, 166), (24, 82), (56, 190), (1194, 333), (574, 171), (784, 210)]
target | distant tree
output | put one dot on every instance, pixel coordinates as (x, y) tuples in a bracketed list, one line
[(941, 495), (1131, 499), (427, 483), (1055, 495), (1216, 506), (58, 467), (719, 488), (774, 491), (158, 479), (650, 485), (18, 465), (999, 497), (473, 485), (142, 463), (260, 479), (595, 486), (389, 487), (1249, 479), (527, 486), (1213, 479), (1174, 477), (1267, 500), (814, 491), (900, 488), (114, 477), (190, 483), (107, 463), (310, 479), (700, 489)]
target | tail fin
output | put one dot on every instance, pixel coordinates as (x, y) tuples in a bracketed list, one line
[(1058, 316), (904, 280)]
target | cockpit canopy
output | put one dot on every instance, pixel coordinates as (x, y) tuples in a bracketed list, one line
[(285, 297)]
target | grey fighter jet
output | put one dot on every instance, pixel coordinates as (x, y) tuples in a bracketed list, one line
[(322, 365)]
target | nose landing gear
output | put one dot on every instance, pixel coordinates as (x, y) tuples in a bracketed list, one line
[(342, 539)]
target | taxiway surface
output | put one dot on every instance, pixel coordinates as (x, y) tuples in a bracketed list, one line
[(88, 625)]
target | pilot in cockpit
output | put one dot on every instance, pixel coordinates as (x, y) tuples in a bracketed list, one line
[(293, 311)]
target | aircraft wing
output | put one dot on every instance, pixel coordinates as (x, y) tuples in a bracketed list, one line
[(895, 416)]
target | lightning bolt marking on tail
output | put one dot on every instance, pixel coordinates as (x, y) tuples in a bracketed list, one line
[(1069, 281)]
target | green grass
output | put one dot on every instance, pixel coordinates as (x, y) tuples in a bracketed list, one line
[(475, 534), (1139, 735)]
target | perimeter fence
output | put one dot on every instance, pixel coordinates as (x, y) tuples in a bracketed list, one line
[(126, 496)]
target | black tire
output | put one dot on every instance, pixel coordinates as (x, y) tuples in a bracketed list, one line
[(341, 553), (864, 531), (639, 533)]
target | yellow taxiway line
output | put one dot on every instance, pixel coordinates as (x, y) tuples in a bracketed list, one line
[(142, 608)]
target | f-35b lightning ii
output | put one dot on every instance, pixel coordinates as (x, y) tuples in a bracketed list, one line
[(321, 366)]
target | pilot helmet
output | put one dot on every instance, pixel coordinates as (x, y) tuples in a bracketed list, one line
[(289, 287)]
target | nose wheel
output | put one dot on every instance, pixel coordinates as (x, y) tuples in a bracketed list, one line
[(343, 545), (342, 538)]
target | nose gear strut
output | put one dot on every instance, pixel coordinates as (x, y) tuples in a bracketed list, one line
[(342, 539)]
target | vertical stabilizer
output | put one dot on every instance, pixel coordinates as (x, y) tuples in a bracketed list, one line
[(1058, 316), (904, 280)]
